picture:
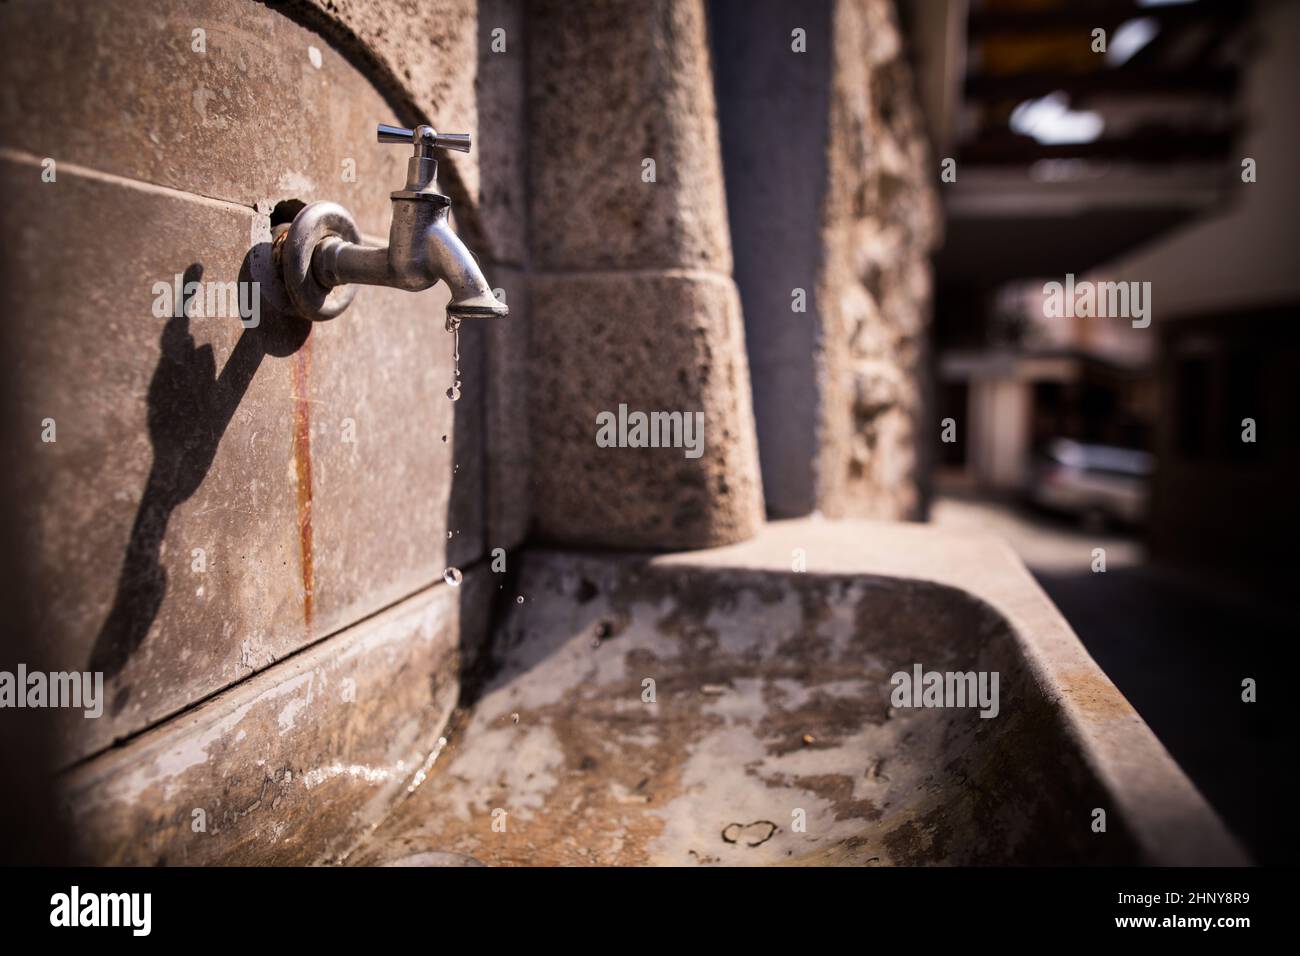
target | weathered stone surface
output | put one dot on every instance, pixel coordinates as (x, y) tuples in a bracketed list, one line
[(847, 213), (199, 434), (631, 298), (293, 765), (396, 466), (172, 435), (775, 185), (880, 220), (613, 83), (501, 146), (503, 209), (424, 57), (117, 86), (772, 692), (310, 471), (654, 342), (508, 454)]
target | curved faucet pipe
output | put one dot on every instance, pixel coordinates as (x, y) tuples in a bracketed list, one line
[(322, 258), (471, 296), (414, 260)]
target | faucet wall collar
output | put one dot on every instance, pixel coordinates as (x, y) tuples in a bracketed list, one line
[(322, 258)]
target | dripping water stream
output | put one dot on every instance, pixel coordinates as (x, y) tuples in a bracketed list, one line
[(453, 326), (453, 575)]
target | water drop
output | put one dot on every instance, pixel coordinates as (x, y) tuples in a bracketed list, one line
[(453, 576), (453, 326), (520, 599), (449, 534)]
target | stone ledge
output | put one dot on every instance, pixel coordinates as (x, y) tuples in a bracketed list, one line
[(1163, 810), (296, 763)]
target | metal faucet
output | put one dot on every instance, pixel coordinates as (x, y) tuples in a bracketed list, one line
[(322, 258)]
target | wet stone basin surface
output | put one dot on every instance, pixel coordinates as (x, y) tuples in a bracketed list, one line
[(637, 712)]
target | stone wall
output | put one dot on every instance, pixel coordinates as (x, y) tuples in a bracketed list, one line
[(880, 221), (831, 193), (225, 510), (246, 529), (633, 300)]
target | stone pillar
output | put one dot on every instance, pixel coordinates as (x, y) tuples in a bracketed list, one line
[(830, 187), (774, 111), (632, 300)]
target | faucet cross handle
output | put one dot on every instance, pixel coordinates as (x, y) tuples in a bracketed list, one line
[(425, 138)]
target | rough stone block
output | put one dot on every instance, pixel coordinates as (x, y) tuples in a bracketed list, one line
[(849, 215), (502, 203), (612, 84), (879, 221), (653, 343)]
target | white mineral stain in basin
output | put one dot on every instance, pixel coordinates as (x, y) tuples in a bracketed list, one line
[(771, 738)]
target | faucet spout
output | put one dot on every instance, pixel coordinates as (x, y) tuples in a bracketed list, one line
[(471, 296)]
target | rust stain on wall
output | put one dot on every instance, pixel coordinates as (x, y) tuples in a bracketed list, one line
[(302, 465)]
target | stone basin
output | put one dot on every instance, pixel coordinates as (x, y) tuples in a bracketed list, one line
[(771, 737)]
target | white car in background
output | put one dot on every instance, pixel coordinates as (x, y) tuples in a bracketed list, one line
[(1100, 483)]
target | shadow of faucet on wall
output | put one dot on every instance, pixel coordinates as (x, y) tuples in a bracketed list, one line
[(189, 408)]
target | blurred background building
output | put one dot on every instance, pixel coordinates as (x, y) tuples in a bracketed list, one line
[(935, 167), (1142, 163), (1169, 159)]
